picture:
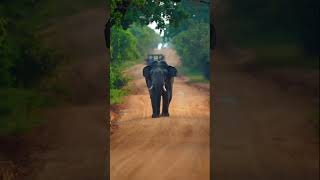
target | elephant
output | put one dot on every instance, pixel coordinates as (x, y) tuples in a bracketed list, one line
[(159, 78)]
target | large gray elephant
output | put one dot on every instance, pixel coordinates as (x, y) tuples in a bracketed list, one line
[(159, 78)]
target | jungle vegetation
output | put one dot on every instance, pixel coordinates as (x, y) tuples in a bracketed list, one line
[(131, 39), (128, 47), (26, 62), (282, 33), (191, 40)]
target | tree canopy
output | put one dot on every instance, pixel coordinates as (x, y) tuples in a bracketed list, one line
[(144, 12), (191, 38), (128, 47), (248, 22)]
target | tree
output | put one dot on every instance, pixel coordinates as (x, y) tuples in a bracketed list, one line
[(272, 22), (193, 47), (143, 12), (124, 46), (146, 38), (195, 12)]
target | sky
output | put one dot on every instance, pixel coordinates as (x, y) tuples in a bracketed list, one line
[(153, 26)]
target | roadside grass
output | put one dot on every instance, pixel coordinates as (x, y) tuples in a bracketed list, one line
[(127, 64), (117, 85), (19, 110), (117, 95), (194, 75)]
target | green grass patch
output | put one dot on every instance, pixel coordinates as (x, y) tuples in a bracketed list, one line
[(19, 110), (128, 64), (118, 82), (116, 96), (195, 75), (120, 87)]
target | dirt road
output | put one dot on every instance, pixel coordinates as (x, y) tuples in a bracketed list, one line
[(261, 131), (166, 148)]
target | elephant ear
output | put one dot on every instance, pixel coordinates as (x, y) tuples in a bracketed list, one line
[(172, 71), (146, 71)]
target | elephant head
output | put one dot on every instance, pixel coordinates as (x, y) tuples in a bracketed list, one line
[(159, 78)]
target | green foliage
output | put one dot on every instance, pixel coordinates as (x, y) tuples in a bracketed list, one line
[(194, 12), (192, 46), (39, 13), (24, 59), (194, 75), (282, 33), (128, 47), (146, 38), (124, 45), (117, 80), (191, 39), (116, 96), (145, 12), (252, 24), (18, 110), (24, 63)]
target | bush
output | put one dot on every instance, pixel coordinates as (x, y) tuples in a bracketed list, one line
[(128, 47), (24, 59), (123, 46), (192, 46), (18, 110), (24, 63), (116, 96), (117, 80)]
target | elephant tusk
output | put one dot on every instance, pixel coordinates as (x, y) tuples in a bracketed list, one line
[(164, 88), (151, 87)]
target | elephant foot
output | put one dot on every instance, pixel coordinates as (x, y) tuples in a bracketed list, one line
[(155, 116), (165, 114)]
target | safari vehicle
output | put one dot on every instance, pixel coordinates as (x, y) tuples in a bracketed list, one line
[(154, 57)]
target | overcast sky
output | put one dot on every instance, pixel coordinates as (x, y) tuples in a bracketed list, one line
[(153, 26)]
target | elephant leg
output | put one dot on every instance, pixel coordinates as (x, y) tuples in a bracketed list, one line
[(169, 96), (165, 105), (155, 100), (170, 90)]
